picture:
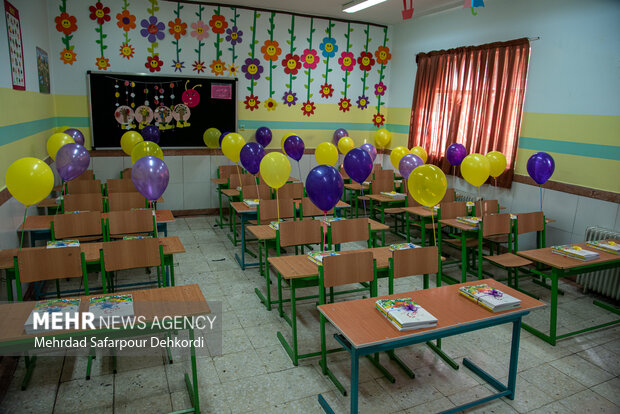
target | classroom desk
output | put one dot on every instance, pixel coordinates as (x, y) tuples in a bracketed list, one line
[(220, 183), (355, 189), (264, 233), (425, 216), (171, 246), (364, 331), (38, 227), (385, 201), (300, 272), (562, 266), (175, 302)]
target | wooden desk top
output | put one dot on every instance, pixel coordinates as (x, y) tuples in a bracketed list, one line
[(559, 261), (264, 232), (49, 202), (298, 266), (219, 181), (186, 300), (241, 207), (362, 324), (172, 245), (458, 225), (421, 211), (43, 222), (231, 192), (385, 199), (356, 186)]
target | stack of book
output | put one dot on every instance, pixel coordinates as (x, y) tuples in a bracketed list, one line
[(470, 221), (608, 246), (251, 202), (575, 252), (136, 237), (393, 194), (317, 257), (276, 224), (405, 314), (51, 306), (403, 246), (328, 221), (111, 309), (489, 298), (62, 243)]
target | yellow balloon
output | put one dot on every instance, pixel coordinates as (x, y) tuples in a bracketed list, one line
[(420, 152), (29, 180), (211, 137), (396, 154), (326, 153), (231, 146), (498, 163), (275, 169), (129, 140), (145, 149), (427, 184), (382, 138), (475, 169), (345, 144), (56, 141), (284, 139)]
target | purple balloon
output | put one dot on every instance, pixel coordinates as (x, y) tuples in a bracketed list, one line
[(358, 164), (324, 186), (222, 137), (151, 133), (150, 176), (409, 163), (263, 136), (370, 149), (71, 161), (456, 153), (339, 133), (540, 167), (294, 147), (251, 155), (76, 134)]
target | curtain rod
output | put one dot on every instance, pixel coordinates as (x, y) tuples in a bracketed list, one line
[(334, 19)]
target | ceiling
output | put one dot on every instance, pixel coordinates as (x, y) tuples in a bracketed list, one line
[(386, 13)]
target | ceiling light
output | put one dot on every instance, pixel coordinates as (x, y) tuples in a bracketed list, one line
[(357, 5)]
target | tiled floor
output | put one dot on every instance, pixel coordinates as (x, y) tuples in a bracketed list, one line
[(254, 374)]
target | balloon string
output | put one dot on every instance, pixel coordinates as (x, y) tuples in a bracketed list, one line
[(238, 173), (277, 205), (324, 231), (256, 182), (21, 242), (363, 199), (433, 221), (299, 168), (540, 186)]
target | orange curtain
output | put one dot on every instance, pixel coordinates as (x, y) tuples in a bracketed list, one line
[(473, 96)]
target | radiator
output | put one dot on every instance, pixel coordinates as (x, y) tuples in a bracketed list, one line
[(605, 282), (462, 196)]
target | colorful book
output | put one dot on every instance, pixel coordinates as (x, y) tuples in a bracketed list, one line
[(471, 221), (276, 224), (112, 309), (77, 211), (63, 243), (490, 298), (136, 237), (138, 209), (405, 314), (51, 306), (393, 194), (317, 257), (608, 246), (470, 203), (403, 246), (251, 202), (575, 252), (329, 220)]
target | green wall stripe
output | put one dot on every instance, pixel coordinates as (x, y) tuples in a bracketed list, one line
[(607, 152), (15, 132), (302, 125)]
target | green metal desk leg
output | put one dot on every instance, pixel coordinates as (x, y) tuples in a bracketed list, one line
[(291, 351), (423, 231), (408, 227), (463, 257)]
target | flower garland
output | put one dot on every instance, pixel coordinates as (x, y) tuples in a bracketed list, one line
[(234, 36), (126, 21), (328, 49), (310, 60), (291, 65), (383, 57), (252, 69), (200, 32), (347, 64), (218, 25), (177, 29), (66, 24), (153, 30), (271, 52), (101, 14), (366, 62)]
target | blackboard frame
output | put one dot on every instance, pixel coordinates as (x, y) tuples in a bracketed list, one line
[(101, 140)]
